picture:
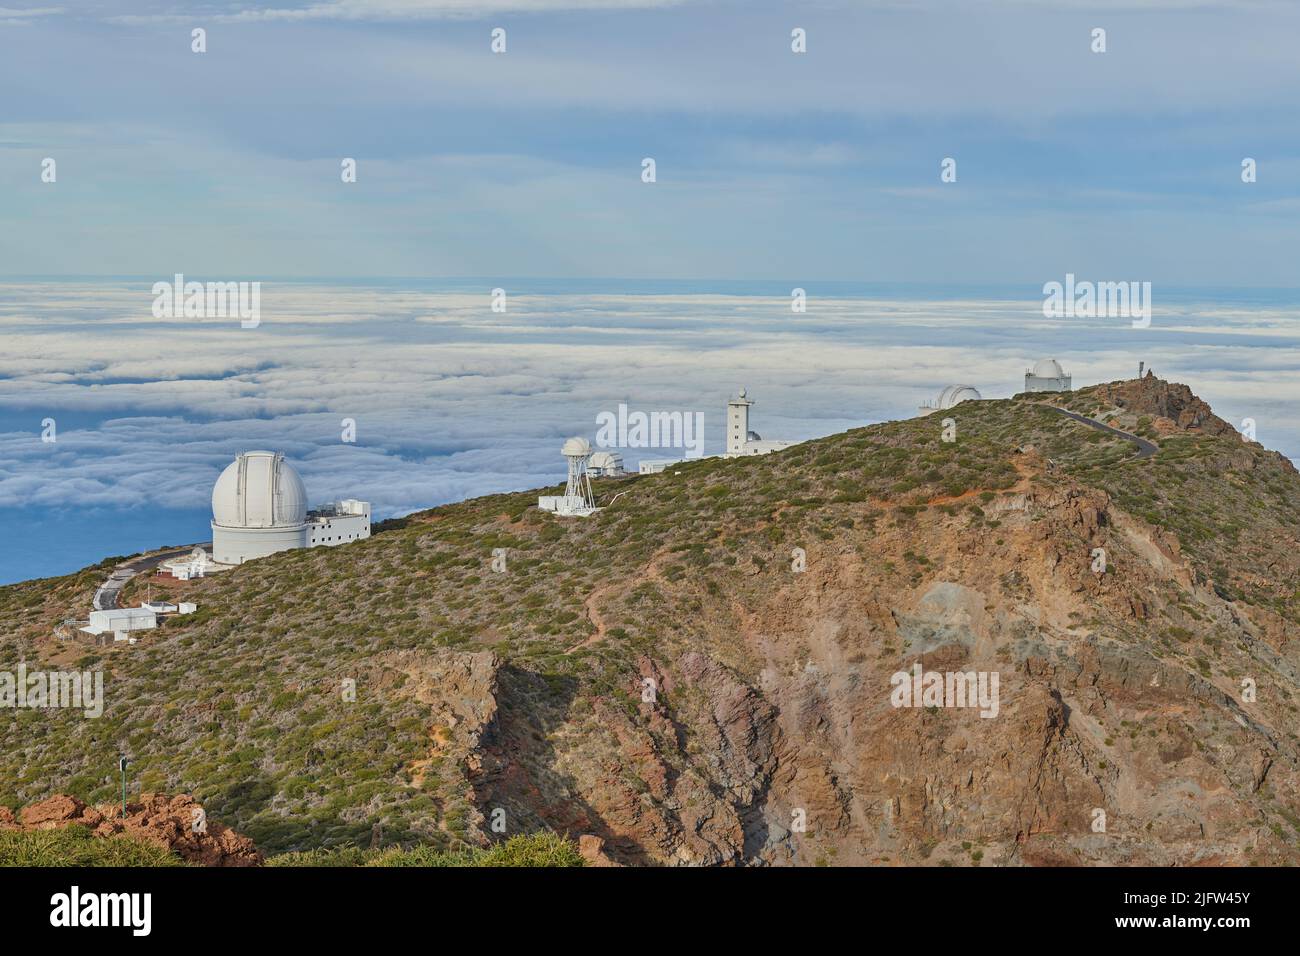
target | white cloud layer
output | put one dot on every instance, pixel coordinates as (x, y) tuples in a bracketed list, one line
[(452, 400)]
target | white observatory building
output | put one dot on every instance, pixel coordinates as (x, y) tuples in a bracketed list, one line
[(950, 396), (741, 440), (1046, 376), (259, 507), (577, 500), (605, 464)]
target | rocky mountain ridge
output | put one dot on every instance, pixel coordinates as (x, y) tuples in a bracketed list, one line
[(703, 673)]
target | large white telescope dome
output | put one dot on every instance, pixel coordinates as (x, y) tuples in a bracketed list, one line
[(259, 489)]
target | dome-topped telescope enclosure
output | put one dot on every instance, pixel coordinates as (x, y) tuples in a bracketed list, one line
[(1047, 376), (259, 489), (259, 507), (576, 448), (956, 394), (577, 500), (605, 464), (951, 396)]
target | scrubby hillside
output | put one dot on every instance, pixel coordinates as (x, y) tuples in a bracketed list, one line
[(660, 675), (77, 845)]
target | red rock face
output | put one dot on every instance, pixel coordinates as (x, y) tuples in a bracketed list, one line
[(592, 849), (56, 811), (772, 739), (1169, 400), (174, 823)]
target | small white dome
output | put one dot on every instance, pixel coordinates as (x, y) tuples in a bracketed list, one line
[(955, 394), (576, 448), (1048, 368), (259, 489), (605, 459)]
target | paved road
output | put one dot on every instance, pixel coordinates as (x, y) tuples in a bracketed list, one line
[(1145, 448), (107, 596)]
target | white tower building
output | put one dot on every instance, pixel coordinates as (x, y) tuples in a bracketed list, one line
[(737, 424), (577, 500), (740, 440), (1046, 376), (576, 451)]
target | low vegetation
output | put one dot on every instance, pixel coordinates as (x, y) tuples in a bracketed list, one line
[(76, 846)]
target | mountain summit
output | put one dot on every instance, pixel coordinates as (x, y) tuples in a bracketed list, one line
[(1055, 629)]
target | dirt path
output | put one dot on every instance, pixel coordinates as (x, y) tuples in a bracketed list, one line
[(651, 570)]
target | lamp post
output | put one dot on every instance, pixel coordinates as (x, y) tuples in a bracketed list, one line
[(121, 765)]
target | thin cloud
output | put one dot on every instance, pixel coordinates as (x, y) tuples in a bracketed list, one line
[(10, 16), (404, 10)]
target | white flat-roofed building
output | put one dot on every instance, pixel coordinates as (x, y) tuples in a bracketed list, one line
[(653, 466), (562, 504), (338, 523), (121, 619)]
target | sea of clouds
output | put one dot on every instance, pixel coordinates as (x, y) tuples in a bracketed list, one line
[(452, 400)]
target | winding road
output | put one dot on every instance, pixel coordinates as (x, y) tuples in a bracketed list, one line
[(1145, 448), (106, 596)]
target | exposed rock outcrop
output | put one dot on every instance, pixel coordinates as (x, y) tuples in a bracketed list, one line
[(175, 823), (1168, 400)]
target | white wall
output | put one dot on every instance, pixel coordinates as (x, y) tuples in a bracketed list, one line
[(338, 529), (121, 619), (237, 545)]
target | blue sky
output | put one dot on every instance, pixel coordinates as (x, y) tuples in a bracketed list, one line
[(821, 166)]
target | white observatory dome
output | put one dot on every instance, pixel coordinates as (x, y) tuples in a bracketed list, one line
[(259, 489), (1048, 368), (955, 394), (576, 448)]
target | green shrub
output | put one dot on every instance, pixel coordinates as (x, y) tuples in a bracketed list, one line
[(537, 849)]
